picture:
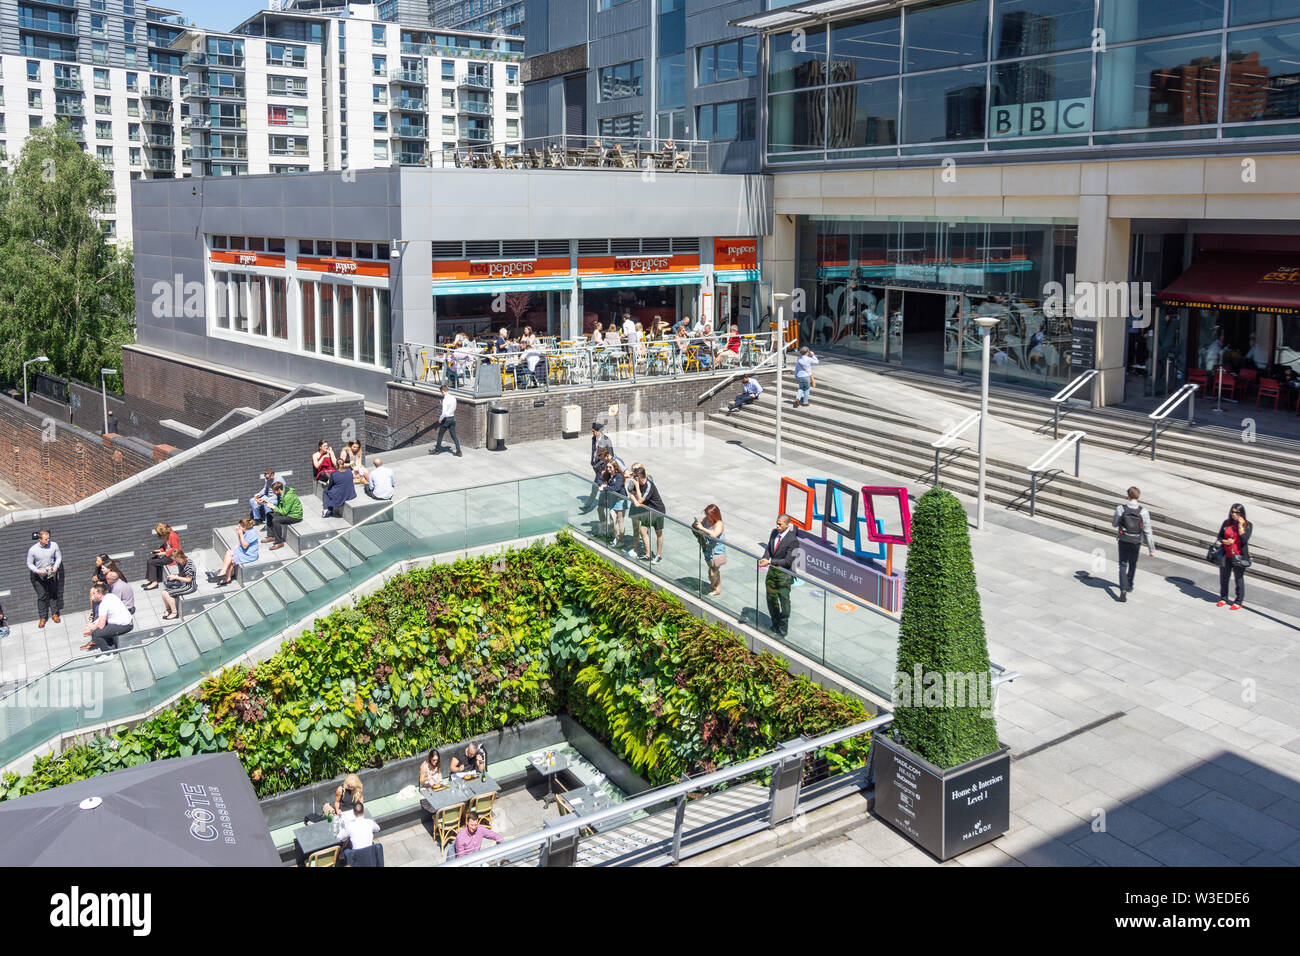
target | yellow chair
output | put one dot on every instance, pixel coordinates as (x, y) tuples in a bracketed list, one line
[(447, 821), (692, 358), (625, 364), (326, 857), (482, 805)]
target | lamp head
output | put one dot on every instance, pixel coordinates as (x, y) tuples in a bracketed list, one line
[(41, 358), (108, 371), (987, 322), (780, 296)]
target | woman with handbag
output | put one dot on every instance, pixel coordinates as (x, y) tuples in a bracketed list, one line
[(1234, 539), (182, 579), (161, 557), (711, 533)]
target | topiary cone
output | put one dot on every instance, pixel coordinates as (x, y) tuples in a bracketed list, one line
[(943, 658)]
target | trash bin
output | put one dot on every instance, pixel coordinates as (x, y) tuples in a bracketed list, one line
[(572, 423), (496, 428)]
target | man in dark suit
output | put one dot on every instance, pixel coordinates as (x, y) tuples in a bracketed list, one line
[(599, 440), (778, 558)]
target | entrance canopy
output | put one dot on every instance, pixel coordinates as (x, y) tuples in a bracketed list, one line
[(1246, 282), (190, 811), (649, 279)]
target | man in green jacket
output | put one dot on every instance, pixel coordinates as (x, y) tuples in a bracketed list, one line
[(287, 511)]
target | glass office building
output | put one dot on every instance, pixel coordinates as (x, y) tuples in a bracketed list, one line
[(1000, 75)]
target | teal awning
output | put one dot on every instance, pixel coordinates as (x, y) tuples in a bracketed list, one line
[(648, 279), (504, 285), (736, 275)]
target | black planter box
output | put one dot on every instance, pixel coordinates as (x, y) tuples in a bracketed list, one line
[(945, 812)]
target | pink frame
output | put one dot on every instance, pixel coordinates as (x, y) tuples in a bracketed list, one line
[(904, 510)]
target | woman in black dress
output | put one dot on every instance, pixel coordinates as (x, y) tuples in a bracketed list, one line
[(1234, 538)]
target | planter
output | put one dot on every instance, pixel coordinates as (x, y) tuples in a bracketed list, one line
[(944, 812)]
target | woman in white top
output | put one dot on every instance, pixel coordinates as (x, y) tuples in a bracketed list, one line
[(431, 771), (597, 336)]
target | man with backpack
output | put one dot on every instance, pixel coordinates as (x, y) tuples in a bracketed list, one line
[(1134, 525)]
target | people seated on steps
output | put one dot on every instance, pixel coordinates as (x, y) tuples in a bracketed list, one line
[(352, 457), (287, 512), (323, 462), (340, 489), (244, 552), (382, 483), (162, 555), (263, 503), (113, 621)]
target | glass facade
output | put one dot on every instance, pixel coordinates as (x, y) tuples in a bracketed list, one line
[(908, 291), (989, 75)]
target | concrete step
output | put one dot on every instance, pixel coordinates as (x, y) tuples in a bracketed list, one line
[(363, 507)]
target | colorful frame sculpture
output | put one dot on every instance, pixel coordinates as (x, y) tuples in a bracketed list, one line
[(874, 529)]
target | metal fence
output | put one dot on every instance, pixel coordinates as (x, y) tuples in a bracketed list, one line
[(628, 153)]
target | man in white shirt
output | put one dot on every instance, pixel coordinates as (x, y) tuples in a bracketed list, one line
[(446, 422), (629, 328), (358, 829), (114, 620), (382, 481)]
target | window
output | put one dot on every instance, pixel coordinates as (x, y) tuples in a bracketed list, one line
[(792, 65), (97, 4), (286, 85), (33, 99), (1259, 11), (381, 121), (133, 132), (221, 299), (1125, 20), (98, 51), (448, 99), (102, 105), (860, 49), (365, 325), (1031, 27), (1172, 83), (97, 25), (379, 66), (672, 80), (381, 150), (33, 122), (1046, 96), (379, 94), (325, 304), (307, 294), (133, 82), (512, 102), (512, 75), (1269, 89), (283, 54), (33, 71), (128, 55), (730, 60), (132, 107), (275, 288), (940, 107), (726, 121), (104, 154), (101, 79), (449, 69), (794, 121), (134, 156), (288, 145), (952, 34), (286, 116), (378, 34), (617, 82), (347, 337), (103, 129), (128, 31), (512, 129)]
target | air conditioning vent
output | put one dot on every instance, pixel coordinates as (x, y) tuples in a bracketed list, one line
[(686, 245), (626, 247), (659, 246), (519, 249), (553, 248), (448, 250), (593, 247), (483, 250)]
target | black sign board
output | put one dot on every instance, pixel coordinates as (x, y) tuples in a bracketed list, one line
[(943, 812), (1083, 346)]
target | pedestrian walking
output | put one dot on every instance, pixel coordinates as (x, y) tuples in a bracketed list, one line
[(778, 558), (712, 534), (45, 564), (613, 500), (446, 422), (647, 501), (803, 376), (1134, 526), (1234, 539), (599, 441)]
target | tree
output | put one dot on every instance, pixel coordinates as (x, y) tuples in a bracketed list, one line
[(942, 633), (65, 291), (517, 304)]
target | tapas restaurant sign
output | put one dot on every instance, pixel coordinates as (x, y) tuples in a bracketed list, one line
[(488, 269), (638, 265)]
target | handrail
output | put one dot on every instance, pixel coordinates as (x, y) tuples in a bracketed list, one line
[(1186, 392), (740, 373), (948, 437), (563, 827), (1064, 394), (1073, 438)]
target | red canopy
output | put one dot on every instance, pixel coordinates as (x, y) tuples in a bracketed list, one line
[(1245, 282)]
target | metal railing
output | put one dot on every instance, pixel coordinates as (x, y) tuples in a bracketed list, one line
[(630, 153), (1185, 393), (772, 356), (1049, 456), (576, 364), (475, 82), (1061, 397), (560, 837), (398, 75), (951, 435)]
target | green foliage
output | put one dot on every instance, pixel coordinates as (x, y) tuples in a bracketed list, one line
[(454, 651), (65, 291), (942, 632)]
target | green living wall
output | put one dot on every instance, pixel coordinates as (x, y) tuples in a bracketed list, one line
[(457, 650)]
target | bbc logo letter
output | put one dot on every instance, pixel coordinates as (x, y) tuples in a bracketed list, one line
[(1041, 119)]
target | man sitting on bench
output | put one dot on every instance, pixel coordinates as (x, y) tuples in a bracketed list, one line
[(113, 621)]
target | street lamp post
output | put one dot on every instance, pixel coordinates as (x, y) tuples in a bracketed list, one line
[(103, 392), (780, 298), (986, 324), (39, 358)]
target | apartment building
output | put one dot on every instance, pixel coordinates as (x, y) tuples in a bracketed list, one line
[(484, 16), (103, 67), (288, 91)]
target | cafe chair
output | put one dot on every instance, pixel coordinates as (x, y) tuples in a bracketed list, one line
[(327, 857), (447, 823), (1248, 378), (1269, 388), (1224, 383), (372, 856), (482, 805), (692, 358), (1198, 376)]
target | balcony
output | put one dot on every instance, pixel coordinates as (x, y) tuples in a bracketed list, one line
[(69, 109), (475, 136), (47, 25), (160, 91), (298, 152), (410, 132), (410, 159), (293, 64), (163, 162), (158, 116), (154, 139), (198, 91), (471, 107), (226, 92), (221, 122), (239, 153), (171, 19), (407, 76), (410, 104), (67, 4), (473, 82), (195, 60), (68, 83), (43, 51)]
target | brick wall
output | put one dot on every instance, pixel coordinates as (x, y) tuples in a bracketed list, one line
[(121, 520), (171, 386), (536, 414), (59, 464)]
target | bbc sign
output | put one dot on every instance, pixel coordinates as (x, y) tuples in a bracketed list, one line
[(1041, 119)]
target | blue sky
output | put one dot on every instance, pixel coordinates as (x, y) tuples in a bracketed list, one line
[(215, 14)]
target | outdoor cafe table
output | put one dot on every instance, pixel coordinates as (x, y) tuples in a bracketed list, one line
[(318, 836), (456, 792)]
